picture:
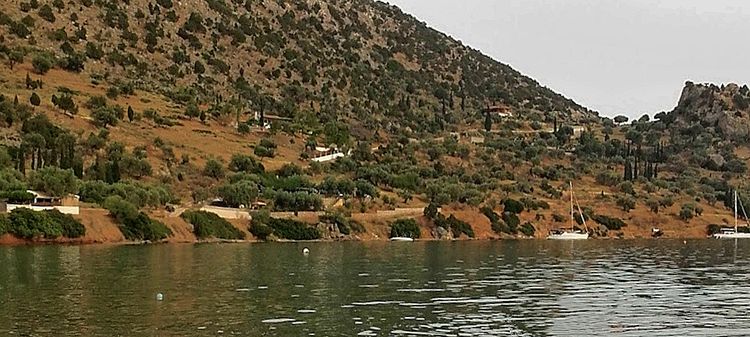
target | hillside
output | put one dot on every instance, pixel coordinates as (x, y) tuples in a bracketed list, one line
[(138, 105), (360, 62)]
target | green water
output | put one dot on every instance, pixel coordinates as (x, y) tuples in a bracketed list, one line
[(528, 288)]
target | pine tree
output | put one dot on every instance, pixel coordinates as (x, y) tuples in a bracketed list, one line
[(131, 114), (29, 82), (15, 101)]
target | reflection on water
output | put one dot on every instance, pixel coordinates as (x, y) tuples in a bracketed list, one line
[(524, 288)]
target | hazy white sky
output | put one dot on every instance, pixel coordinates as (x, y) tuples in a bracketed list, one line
[(615, 56)]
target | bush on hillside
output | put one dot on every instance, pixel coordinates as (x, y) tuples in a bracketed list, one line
[(138, 194), (264, 226), (512, 221), (609, 222), (345, 224), (135, 225), (456, 226), (4, 224), (513, 206), (29, 224), (71, 228), (293, 230), (209, 225), (710, 230), (42, 63), (527, 229), (405, 228)]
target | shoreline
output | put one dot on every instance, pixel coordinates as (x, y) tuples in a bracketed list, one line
[(8, 240)]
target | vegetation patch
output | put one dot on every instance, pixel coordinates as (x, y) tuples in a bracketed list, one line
[(456, 226), (345, 224), (133, 224), (527, 229), (609, 222), (263, 226), (405, 228), (209, 225), (29, 224)]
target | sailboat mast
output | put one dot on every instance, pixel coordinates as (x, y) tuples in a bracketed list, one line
[(735, 211), (572, 225)]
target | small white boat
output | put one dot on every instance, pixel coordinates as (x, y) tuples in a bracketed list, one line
[(733, 233), (402, 239), (571, 233)]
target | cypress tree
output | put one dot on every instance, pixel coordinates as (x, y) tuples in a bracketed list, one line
[(628, 176), (488, 121)]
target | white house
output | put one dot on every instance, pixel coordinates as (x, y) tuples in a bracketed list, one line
[(326, 154), (42, 202)]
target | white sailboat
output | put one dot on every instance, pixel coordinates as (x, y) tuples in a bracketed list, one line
[(733, 233), (571, 233)]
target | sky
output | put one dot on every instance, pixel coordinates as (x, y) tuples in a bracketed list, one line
[(617, 57)]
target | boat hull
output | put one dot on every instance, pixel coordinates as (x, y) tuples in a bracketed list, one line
[(568, 236), (732, 236), (402, 239)]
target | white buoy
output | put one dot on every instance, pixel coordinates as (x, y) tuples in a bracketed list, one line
[(159, 297), (305, 251)]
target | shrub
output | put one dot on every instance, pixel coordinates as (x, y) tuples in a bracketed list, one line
[(71, 228), (405, 228), (29, 224), (42, 63), (209, 225), (512, 221), (608, 178), (4, 224), (513, 206), (213, 169), (96, 102), (527, 229), (687, 212), (262, 151), (247, 164), (456, 226), (135, 225), (136, 193), (431, 211), (261, 231), (34, 99), (293, 230), (609, 222), (626, 187), (93, 51), (626, 202), (105, 116), (710, 230), (240, 193), (344, 223), (259, 225), (46, 13), (55, 181)]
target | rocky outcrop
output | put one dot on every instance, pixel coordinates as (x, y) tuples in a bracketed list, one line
[(725, 108)]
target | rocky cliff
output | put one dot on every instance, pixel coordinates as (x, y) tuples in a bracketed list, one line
[(725, 108)]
